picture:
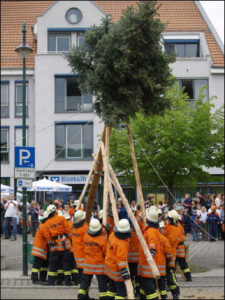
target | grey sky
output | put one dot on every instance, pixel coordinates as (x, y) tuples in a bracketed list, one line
[(215, 12)]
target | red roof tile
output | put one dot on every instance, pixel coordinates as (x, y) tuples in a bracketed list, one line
[(182, 16)]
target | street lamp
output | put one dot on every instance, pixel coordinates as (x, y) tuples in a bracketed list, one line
[(24, 51)]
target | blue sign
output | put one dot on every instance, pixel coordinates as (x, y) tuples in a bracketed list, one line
[(24, 157), (20, 182)]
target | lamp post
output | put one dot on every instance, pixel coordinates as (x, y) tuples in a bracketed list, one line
[(24, 51)]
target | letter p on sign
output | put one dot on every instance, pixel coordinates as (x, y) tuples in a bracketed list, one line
[(24, 154)]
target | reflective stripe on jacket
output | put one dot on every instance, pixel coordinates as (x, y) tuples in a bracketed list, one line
[(116, 257), (172, 233), (167, 253), (180, 247), (94, 254)]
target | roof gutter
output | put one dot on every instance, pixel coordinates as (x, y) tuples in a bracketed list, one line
[(210, 26)]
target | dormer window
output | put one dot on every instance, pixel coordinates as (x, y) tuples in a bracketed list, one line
[(74, 16), (59, 42), (182, 48)]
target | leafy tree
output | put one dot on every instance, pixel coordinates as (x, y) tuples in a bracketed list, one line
[(178, 144), (124, 66)]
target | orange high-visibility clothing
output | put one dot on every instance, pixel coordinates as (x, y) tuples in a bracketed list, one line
[(141, 224), (133, 251), (57, 232), (78, 244), (180, 247), (94, 254), (39, 248), (111, 224), (152, 238), (71, 211), (116, 257), (167, 251), (173, 234)]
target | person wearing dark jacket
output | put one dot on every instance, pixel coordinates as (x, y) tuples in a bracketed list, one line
[(34, 218), (213, 221)]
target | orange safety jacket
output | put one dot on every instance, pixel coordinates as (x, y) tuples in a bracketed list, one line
[(94, 254), (167, 253), (116, 257), (152, 237), (40, 248), (78, 243), (172, 232), (71, 211), (180, 247), (57, 232), (133, 250), (111, 224)]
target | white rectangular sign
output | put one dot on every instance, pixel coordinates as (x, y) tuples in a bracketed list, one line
[(69, 179), (25, 173), (24, 183)]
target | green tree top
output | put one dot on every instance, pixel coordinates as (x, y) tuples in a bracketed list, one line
[(124, 66)]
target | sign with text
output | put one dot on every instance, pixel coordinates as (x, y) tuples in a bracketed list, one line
[(24, 183), (25, 173), (69, 179), (24, 157)]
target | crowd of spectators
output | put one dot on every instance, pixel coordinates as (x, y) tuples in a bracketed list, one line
[(203, 216)]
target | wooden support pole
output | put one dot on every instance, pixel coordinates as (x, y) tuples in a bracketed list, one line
[(143, 243), (85, 186), (106, 176), (137, 176)]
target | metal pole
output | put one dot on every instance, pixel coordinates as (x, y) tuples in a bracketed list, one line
[(25, 257)]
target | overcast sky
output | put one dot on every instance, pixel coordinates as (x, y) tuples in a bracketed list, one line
[(215, 12)]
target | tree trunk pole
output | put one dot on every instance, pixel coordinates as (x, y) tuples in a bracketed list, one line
[(143, 243), (95, 182), (106, 177), (86, 186), (137, 176)]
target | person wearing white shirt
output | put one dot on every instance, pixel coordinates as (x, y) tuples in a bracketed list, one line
[(11, 213), (203, 216)]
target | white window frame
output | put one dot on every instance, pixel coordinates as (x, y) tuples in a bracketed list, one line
[(7, 102), (66, 146), (21, 84)]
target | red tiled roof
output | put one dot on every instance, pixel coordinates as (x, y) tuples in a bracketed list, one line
[(182, 16)]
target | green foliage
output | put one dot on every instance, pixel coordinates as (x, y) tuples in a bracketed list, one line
[(179, 143), (123, 65)]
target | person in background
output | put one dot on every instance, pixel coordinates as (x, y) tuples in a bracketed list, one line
[(66, 209), (221, 216), (186, 221), (198, 209), (46, 204), (3, 202), (34, 218), (165, 208), (218, 200), (196, 229), (134, 207), (11, 208), (212, 199), (213, 220), (187, 200), (121, 210), (208, 202), (204, 225), (201, 198)]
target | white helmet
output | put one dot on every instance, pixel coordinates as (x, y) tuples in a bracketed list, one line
[(123, 226), (67, 216), (51, 208), (180, 218), (76, 202), (45, 214), (79, 216), (173, 214), (159, 211), (60, 213), (95, 225), (161, 224), (100, 214), (152, 215)]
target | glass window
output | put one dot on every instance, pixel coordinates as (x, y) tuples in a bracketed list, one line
[(4, 100), (191, 50), (19, 137), (74, 141), (201, 83), (73, 15), (19, 99), (68, 97), (170, 48), (80, 39), (59, 42), (188, 88), (5, 145), (180, 50), (183, 49)]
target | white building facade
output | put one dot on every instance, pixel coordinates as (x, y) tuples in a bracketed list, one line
[(61, 124)]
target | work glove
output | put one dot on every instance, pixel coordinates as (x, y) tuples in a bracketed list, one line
[(152, 251), (125, 274)]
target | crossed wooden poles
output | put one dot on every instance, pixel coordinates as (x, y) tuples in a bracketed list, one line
[(101, 162)]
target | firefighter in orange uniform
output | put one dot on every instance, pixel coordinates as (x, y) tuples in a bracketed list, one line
[(116, 260), (39, 252), (148, 289), (80, 228), (181, 255), (172, 232), (132, 258), (94, 256), (57, 233)]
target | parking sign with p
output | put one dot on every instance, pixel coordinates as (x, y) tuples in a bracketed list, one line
[(24, 157)]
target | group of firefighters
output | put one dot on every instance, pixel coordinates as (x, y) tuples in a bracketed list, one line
[(67, 250)]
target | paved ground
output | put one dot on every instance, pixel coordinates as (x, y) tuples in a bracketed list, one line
[(207, 285)]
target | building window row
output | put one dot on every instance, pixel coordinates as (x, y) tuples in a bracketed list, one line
[(5, 141), (18, 99), (193, 87), (182, 48)]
